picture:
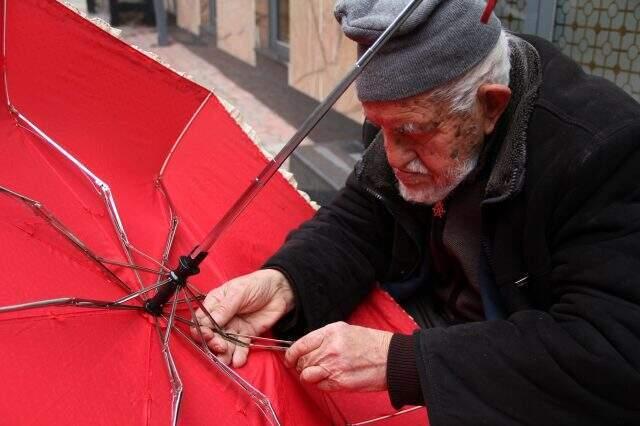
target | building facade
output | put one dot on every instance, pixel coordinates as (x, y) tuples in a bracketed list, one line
[(601, 35)]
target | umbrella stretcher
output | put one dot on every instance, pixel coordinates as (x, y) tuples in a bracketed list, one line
[(111, 167)]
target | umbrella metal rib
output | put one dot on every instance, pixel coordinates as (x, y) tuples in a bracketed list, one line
[(130, 266), (274, 344), (177, 388), (176, 381), (258, 397), (52, 220), (103, 188), (173, 221), (4, 55), (69, 301)]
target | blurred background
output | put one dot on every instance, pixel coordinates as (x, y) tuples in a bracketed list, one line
[(274, 60)]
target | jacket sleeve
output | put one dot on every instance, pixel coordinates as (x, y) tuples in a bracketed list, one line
[(576, 362), (333, 259)]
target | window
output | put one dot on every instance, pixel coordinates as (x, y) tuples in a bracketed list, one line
[(279, 28), (601, 35)]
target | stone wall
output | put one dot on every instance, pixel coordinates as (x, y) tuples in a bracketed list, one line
[(262, 23), (192, 14), (236, 28), (319, 54)]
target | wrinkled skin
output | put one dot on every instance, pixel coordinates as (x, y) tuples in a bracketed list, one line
[(247, 305), (430, 149), (340, 356), (425, 145)]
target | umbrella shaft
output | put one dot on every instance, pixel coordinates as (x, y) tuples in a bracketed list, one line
[(309, 124)]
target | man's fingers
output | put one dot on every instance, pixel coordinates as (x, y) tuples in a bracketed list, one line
[(240, 355), (308, 360), (222, 304), (328, 386), (314, 374), (222, 348), (303, 346), (201, 332), (216, 343)]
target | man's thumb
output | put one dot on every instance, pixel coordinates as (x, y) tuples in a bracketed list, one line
[(219, 309)]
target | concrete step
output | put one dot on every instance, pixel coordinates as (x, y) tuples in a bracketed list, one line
[(322, 169)]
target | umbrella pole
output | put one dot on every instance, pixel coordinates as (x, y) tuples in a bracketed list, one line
[(309, 124), (189, 264)]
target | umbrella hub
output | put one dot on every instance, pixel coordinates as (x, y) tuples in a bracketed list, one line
[(187, 267)]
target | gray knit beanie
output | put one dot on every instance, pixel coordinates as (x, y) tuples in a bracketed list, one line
[(440, 41)]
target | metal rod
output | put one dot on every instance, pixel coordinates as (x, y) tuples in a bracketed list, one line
[(98, 182), (130, 266), (183, 301), (177, 387), (215, 326), (173, 222), (4, 57), (195, 290), (181, 136), (195, 321), (261, 401), (321, 110), (146, 256), (102, 186), (276, 344), (52, 220), (68, 301), (389, 416), (140, 292), (171, 320), (264, 339)]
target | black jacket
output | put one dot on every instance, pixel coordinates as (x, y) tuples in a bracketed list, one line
[(565, 228)]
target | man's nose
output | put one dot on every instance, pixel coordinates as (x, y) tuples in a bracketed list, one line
[(399, 154)]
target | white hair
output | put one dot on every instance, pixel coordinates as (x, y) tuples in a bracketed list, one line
[(438, 190), (495, 68)]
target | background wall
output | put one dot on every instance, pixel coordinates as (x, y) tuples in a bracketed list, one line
[(320, 55), (236, 28), (191, 15)]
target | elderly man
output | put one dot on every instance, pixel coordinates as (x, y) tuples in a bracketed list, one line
[(499, 203)]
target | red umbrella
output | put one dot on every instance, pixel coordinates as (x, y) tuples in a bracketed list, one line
[(111, 166)]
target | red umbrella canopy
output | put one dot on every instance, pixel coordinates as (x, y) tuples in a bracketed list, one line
[(108, 159)]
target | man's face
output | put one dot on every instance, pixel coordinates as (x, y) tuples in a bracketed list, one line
[(429, 149)]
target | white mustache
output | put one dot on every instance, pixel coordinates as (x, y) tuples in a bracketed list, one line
[(416, 166)]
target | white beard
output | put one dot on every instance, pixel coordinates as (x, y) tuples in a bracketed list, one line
[(438, 191)]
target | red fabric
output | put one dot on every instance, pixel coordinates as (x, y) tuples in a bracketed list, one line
[(491, 4), (120, 113)]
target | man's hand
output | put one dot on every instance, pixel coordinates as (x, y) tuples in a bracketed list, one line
[(249, 305), (340, 356)]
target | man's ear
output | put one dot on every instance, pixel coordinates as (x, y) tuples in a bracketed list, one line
[(493, 100)]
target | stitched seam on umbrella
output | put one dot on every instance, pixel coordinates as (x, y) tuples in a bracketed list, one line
[(60, 250)]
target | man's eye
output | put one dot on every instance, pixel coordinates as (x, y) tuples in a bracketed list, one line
[(405, 130)]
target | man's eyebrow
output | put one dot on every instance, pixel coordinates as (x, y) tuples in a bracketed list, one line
[(413, 127), (407, 128)]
